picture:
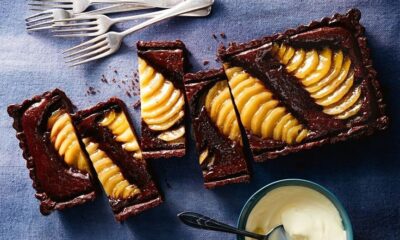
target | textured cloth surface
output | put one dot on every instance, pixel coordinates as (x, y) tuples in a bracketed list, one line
[(364, 174)]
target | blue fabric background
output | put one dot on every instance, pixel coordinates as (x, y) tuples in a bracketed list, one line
[(364, 174)]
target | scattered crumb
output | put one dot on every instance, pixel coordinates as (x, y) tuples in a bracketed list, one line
[(214, 36), (136, 105), (103, 79), (205, 62), (91, 91), (223, 35), (128, 84)]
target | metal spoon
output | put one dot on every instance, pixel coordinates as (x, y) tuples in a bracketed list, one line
[(200, 221)]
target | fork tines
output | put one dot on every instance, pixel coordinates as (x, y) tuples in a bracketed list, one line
[(40, 5), (88, 51), (76, 27), (40, 21)]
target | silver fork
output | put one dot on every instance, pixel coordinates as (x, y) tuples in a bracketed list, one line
[(53, 17), (79, 6), (95, 25), (108, 43)]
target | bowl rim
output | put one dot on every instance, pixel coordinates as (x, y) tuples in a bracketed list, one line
[(255, 198)]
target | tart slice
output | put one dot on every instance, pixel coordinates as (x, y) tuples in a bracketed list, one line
[(216, 128), (161, 70), (57, 163), (113, 149), (305, 87)]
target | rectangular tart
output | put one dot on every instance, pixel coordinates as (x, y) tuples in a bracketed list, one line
[(161, 69), (216, 128), (110, 141), (54, 154), (305, 87)]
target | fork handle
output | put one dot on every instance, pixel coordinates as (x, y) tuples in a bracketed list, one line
[(181, 8), (150, 3), (118, 8), (197, 13)]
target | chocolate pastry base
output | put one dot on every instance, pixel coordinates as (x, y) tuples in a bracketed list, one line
[(338, 32), (229, 165), (169, 59), (57, 185), (133, 169)]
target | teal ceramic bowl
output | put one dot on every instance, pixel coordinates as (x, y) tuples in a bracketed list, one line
[(253, 200)]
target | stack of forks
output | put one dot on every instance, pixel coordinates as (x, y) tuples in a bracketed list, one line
[(69, 18)]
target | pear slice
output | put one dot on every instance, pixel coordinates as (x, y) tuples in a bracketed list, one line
[(172, 135)]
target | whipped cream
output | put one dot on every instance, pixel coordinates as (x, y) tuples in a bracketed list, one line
[(305, 214)]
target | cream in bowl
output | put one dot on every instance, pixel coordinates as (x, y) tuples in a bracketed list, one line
[(306, 210)]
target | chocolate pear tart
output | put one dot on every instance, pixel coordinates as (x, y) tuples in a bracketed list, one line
[(305, 87), (56, 159), (216, 128), (161, 70), (113, 149)]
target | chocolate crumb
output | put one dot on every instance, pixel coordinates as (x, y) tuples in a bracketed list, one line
[(91, 91), (103, 79), (123, 82), (205, 62), (128, 94), (114, 81), (115, 71), (222, 35), (214, 36), (136, 105)]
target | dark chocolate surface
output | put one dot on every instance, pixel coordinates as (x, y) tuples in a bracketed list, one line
[(230, 165), (168, 58), (340, 31), (134, 170), (57, 185)]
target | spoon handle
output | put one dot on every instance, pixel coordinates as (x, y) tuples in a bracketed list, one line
[(200, 221)]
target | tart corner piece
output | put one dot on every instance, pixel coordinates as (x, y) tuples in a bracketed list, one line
[(216, 129), (305, 87), (114, 151), (163, 112), (57, 162)]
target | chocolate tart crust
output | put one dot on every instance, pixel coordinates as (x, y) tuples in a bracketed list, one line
[(339, 31), (86, 191), (134, 170), (230, 164), (168, 58)]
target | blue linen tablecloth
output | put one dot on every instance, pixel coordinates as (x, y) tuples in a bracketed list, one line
[(364, 174)]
